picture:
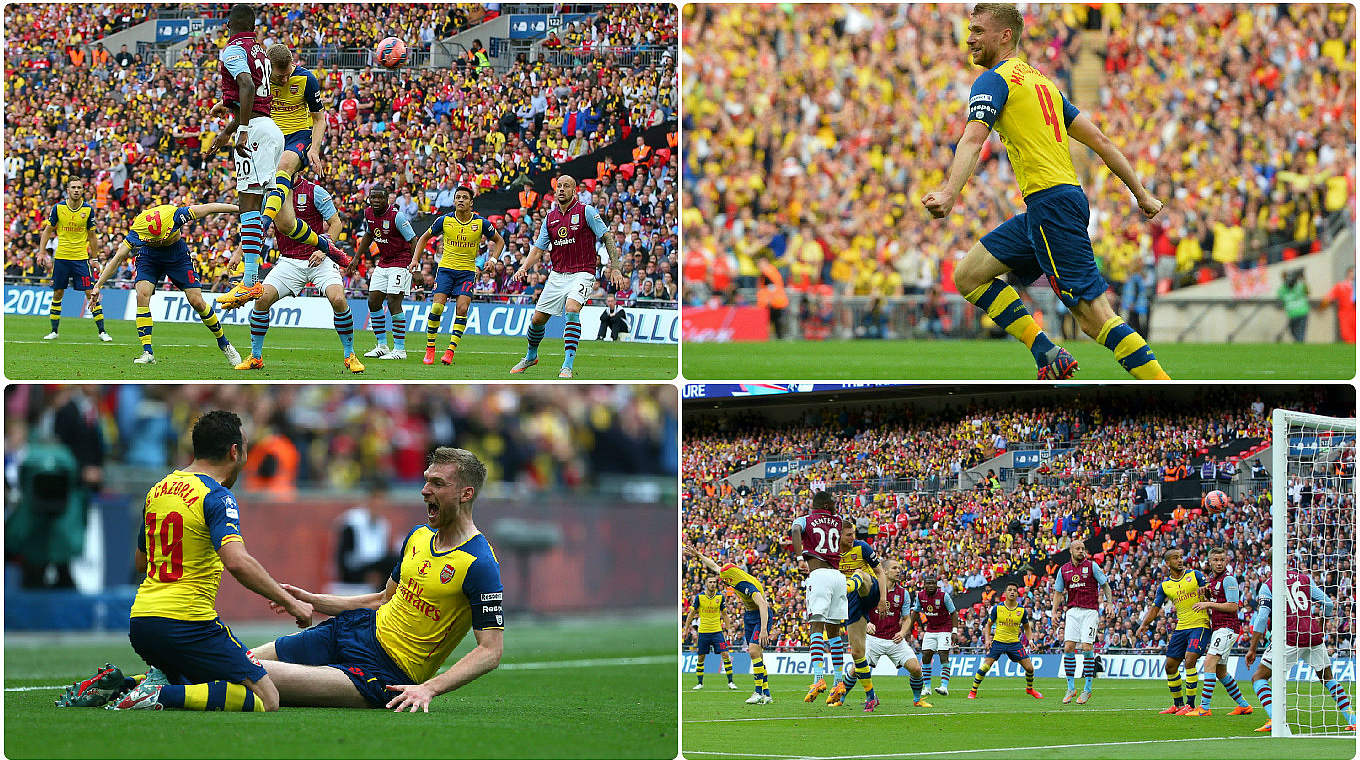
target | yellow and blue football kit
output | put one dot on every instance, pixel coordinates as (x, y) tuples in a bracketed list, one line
[(747, 586), (710, 638), (440, 596), (457, 272), (174, 624), (1010, 623), (71, 265), (1050, 238), (861, 588), (1192, 629), (160, 249), (291, 108)]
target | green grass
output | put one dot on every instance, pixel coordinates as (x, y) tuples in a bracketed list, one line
[(189, 352), (1120, 722), (544, 701), (1005, 360)]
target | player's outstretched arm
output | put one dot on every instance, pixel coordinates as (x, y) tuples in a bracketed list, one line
[(1085, 131), (332, 604), (764, 607), (530, 261), (202, 210), (251, 574), (708, 563), (940, 201), (124, 250), (481, 660)]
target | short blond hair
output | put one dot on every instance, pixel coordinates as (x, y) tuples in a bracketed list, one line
[(468, 468), (1005, 13)]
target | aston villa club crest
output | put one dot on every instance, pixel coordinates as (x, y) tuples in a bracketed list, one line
[(302, 200), (575, 219), (386, 224), (1085, 570), (447, 574)]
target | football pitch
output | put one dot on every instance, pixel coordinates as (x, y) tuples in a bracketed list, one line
[(1005, 360), (1120, 722), (582, 688), (188, 352)]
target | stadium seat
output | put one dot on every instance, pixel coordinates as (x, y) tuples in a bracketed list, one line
[(590, 184), (514, 213)]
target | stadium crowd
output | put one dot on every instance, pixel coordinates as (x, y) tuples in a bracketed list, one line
[(899, 471), (353, 436), (1238, 116), (420, 131)]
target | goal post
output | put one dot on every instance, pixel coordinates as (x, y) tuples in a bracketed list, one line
[(1314, 457)]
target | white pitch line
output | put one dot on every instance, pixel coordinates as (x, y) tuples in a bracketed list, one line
[(595, 663), (925, 713), (207, 344), (989, 749)]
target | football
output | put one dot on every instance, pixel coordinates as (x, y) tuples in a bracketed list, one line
[(390, 53), (1216, 501)]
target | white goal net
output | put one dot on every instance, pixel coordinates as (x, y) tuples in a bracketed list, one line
[(1312, 617)]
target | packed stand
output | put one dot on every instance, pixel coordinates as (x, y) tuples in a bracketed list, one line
[(421, 132), (355, 436), (787, 155), (904, 476)]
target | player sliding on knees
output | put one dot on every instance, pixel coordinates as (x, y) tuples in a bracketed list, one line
[(1050, 238), (1222, 604), (1080, 582), (159, 250), (391, 232), (462, 233), (1011, 623), (247, 94), (864, 593), (299, 265), (757, 619), (568, 235), (1304, 639), (1185, 587), (384, 649), (190, 534)]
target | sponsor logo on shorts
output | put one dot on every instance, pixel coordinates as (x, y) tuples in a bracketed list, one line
[(496, 597)]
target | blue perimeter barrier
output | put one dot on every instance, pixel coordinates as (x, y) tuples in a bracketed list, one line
[(645, 325), (1046, 665)]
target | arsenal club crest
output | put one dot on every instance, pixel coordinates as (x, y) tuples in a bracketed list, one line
[(447, 574)]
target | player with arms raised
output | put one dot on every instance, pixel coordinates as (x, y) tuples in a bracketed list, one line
[(757, 619), (1221, 602), (1186, 589), (258, 149), (160, 251), (887, 634), (1080, 581), (1304, 639), (462, 232), (76, 256), (568, 235), (300, 265), (1035, 121), (391, 232), (934, 608), (710, 606), (817, 543), (1010, 622), (191, 532), (384, 649)]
